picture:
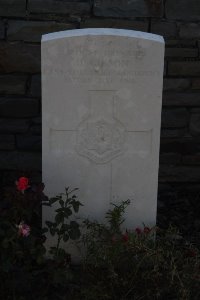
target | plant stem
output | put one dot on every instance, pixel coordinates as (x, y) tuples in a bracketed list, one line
[(58, 244)]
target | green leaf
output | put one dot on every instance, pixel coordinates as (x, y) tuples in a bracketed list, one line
[(49, 223), (67, 212), (54, 199), (74, 224), (59, 210), (59, 218), (61, 203), (65, 237), (76, 204), (52, 231), (74, 232), (44, 230)]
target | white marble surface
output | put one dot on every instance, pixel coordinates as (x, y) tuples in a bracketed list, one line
[(101, 113)]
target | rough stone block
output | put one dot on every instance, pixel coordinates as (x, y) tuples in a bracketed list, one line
[(179, 173), (186, 146), (181, 99), (12, 8), (12, 84), (2, 30), (29, 142), (14, 125), (196, 84), (115, 23), (37, 120), (127, 8), (14, 160), (195, 124), (189, 30), (31, 31), (59, 6), (180, 43), (184, 68), (173, 133), (188, 10), (170, 158), (19, 57), (35, 88), (195, 110), (36, 129), (164, 28), (176, 84), (174, 118), (181, 52), (7, 142), (191, 159), (18, 107)]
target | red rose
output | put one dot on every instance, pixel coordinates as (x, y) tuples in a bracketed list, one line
[(147, 229), (138, 230), (125, 237), (191, 253), (22, 184)]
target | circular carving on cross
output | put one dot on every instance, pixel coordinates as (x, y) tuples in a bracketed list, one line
[(100, 141)]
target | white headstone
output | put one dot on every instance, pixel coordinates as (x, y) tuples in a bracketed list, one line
[(101, 112)]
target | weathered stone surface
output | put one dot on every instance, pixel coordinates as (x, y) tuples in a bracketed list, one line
[(173, 133), (7, 142), (14, 160), (60, 7), (179, 173), (181, 52), (164, 28), (174, 118), (127, 8), (184, 68), (176, 84), (181, 99), (196, 83), (31, 31), (195, 124), (13, 84), (189, 30), (29, 142), (18, 107), (35, 88), (2, 30), (12, 8), (101, 118), (19, 57), (14, 125), (115, 23), (188, 10)]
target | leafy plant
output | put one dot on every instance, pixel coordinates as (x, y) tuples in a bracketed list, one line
[(134, 264), (63, 227)]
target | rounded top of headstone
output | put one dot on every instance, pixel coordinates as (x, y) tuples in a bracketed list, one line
[(102, 31)]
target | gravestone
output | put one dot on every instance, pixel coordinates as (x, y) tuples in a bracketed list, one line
[(101, 113)]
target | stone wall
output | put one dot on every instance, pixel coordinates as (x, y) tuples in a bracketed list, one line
[(22, 22)]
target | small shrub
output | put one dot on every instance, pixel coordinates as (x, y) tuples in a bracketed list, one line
[(136, 264)]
